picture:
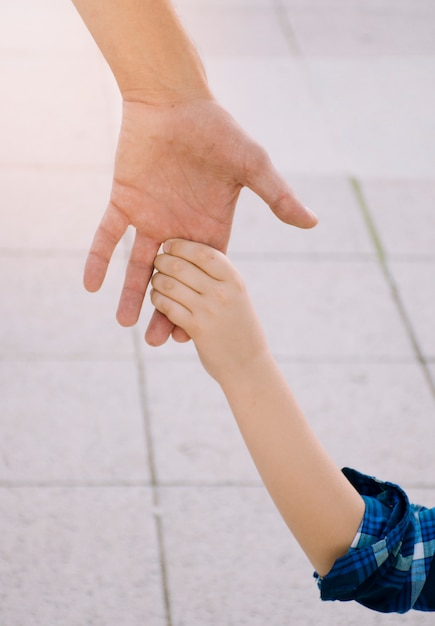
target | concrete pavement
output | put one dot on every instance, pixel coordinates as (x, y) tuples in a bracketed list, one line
[(126, 495)]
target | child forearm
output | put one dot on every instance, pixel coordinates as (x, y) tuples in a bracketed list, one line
[(199, 290), (319, 505), (151, 56)]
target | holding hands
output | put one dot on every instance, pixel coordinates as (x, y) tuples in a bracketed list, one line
[(178, 172), (181, 160), (198, 290)]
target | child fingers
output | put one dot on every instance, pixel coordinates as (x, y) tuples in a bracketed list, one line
[(175, 290), (206, 258), (176, 312), (183, 271)]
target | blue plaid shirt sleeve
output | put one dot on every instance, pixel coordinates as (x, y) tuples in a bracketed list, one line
[(390, 566)]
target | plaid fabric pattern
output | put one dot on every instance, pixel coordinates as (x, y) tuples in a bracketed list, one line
[(390, 566)]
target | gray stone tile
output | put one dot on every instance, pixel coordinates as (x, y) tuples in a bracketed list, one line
[(415, 282), (48, 25), (292, 128), (357, 5), (403, 215), (341, 229), (69, 422), (61, 123), (375, 417), (370, 416), (380, 113), (229, 557), (224, 5), (363, 28), (79, 556), (326, 309), (235, 31), (232, 561), (317, 309), (425, 497), (48, 312), (195, 437), (51, 210)]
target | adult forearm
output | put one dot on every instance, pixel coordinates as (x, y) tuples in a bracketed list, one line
[(150, 54), (319, 505)]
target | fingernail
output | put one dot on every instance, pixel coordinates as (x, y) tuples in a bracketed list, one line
[(167, 246), (308, 210), (313, 216)]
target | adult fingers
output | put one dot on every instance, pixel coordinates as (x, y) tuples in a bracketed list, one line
[(160, 326), (137, 277), (158, 330), (110, 230), (264, 180), (179, 335)]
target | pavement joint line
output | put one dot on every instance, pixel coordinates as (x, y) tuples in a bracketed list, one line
[(58, 357), (65, 484), (287, 29), (53, 484), (383, 262), (70, 486), (310, 257), (51, 167), (153, 475), (316, 359)]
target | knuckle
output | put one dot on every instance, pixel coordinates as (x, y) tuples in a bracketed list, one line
[(223, 295), (160, 303), (155, 279), (162, 283), (158, 261), (167, 283), (176, 265)]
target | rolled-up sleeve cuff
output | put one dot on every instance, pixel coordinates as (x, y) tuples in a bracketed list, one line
[(388, 564)]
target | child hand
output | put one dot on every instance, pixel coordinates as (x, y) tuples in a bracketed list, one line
[(199, 290)]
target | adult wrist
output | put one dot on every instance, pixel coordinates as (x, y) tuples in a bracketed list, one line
[(155, 96), (163, 83)]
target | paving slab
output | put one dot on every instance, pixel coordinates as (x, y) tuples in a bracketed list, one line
[(245, 568), (415, 281), (78, 127), (47, 311), (79, 556), (286, 119), (185, 6), (402, 211), (46, 210), (370, 416), (195, 438), (326, 309), (378, 418), (341, 230), (334, 90), (69, 422), (48, 26), (380, 129), (242, 30), (362, 29), (318, 309)]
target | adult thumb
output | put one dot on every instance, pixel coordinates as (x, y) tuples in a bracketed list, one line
[(264, 180)]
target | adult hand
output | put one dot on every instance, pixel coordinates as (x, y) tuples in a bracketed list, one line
[(179, 170)]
